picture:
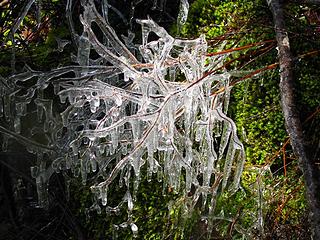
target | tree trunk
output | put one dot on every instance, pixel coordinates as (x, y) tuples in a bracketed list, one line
[(292, 119)]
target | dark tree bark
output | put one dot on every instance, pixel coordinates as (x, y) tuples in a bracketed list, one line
[(292, 119)]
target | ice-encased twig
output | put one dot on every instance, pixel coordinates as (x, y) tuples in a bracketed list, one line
[(26, 141), (90, 15), (24, 12)]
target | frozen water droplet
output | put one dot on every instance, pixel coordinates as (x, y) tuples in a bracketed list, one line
[(134, 229)]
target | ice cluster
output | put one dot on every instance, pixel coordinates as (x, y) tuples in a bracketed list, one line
[(156, 107)]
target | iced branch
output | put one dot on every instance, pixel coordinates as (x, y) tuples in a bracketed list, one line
[(166, 113)]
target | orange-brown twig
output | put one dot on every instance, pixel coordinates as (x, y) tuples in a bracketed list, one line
[(239, 48), (287, 141)]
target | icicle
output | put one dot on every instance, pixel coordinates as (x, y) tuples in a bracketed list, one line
[(104, 195), (21, 108), (56, 88), (93, 162), (135, 128), (136, 163), (188, 149), (1, 107), (224, 138), (228, 164), (199, 132), (94, 104), (240, 160), (160, 175), (209, 168), (150, 150), (105, 9), (83, 51), (66, 114), (5, 140), (74, 147), (118, 100), (83, 170), (44, 105), (183, 13), (172, 73), (123, 225), (124, 149), (115, 138), (129, 200), (17, 125), (42, 191), (34, 171), (171, 121), (55, 165), (134, 229), (7, 107), (188, 101), (189, 179)]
